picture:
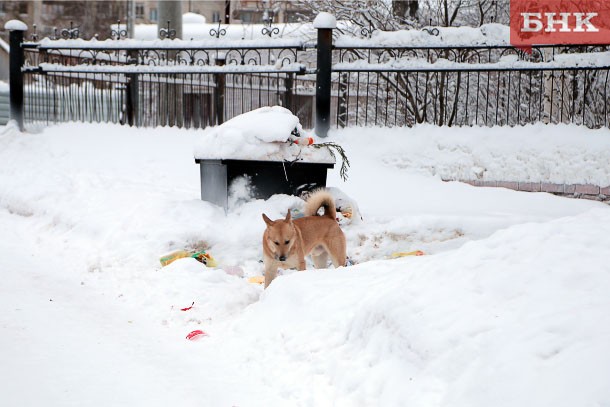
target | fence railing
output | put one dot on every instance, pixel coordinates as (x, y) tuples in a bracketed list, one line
[(179, 84), (195, 84), (4, 104), (472, 96), (403, 86)]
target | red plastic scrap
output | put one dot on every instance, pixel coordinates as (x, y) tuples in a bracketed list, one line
[(195, 334), (188, 308)]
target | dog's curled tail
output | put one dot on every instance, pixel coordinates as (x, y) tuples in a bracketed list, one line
[(318, 199)]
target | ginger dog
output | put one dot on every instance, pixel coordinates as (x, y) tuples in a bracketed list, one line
[(286, 242)]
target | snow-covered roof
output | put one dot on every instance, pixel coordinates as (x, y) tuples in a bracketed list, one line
[(260, 134)]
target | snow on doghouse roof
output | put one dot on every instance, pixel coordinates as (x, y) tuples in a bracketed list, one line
[(260, 134)]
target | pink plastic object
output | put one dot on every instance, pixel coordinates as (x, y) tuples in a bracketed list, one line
[(196, 334)]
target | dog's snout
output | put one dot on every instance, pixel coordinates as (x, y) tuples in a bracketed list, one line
[(282, 258)]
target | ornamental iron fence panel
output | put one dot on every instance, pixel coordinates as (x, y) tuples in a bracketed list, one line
[(468, 97), (470, 86), (179, 84), (195, 84)]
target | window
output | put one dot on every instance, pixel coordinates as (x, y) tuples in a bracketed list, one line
[(245, 17), (215, 16), (53, 10), (139, 10), (292, 17), (23, 8), (154, 16)]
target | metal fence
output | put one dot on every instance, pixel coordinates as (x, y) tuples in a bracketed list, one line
[(469, 86), (196, 84), (180, 84), (4, 105)]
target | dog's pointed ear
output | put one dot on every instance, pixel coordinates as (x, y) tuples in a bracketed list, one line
[(288, 216), (268, 221)]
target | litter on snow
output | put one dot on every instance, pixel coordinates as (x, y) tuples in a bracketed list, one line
[(396, 255), (196, 334), (201, 256), (188, 308)]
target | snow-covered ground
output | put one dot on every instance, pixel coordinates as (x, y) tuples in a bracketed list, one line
[(509, 307)]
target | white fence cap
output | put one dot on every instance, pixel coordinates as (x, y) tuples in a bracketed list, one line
[(15, 25), (325, 20)]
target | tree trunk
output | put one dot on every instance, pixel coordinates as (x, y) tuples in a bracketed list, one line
[(405, 8)]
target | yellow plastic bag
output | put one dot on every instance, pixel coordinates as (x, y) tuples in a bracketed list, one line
[(173, 256), (202, 256), (257, 280), (405, 254)]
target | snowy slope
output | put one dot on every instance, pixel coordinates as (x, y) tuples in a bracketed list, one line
[(509, 307), (520, 318)]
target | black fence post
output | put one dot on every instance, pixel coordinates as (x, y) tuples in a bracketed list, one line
[(324, 23), (132, 93), (288, 94), (219, 92), (131, 100), (16, 59)]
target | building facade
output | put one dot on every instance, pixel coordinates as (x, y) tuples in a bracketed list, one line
[(257, 11), (48, 18), (51, 18)]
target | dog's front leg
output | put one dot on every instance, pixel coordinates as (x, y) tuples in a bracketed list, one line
[(270, 273)]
